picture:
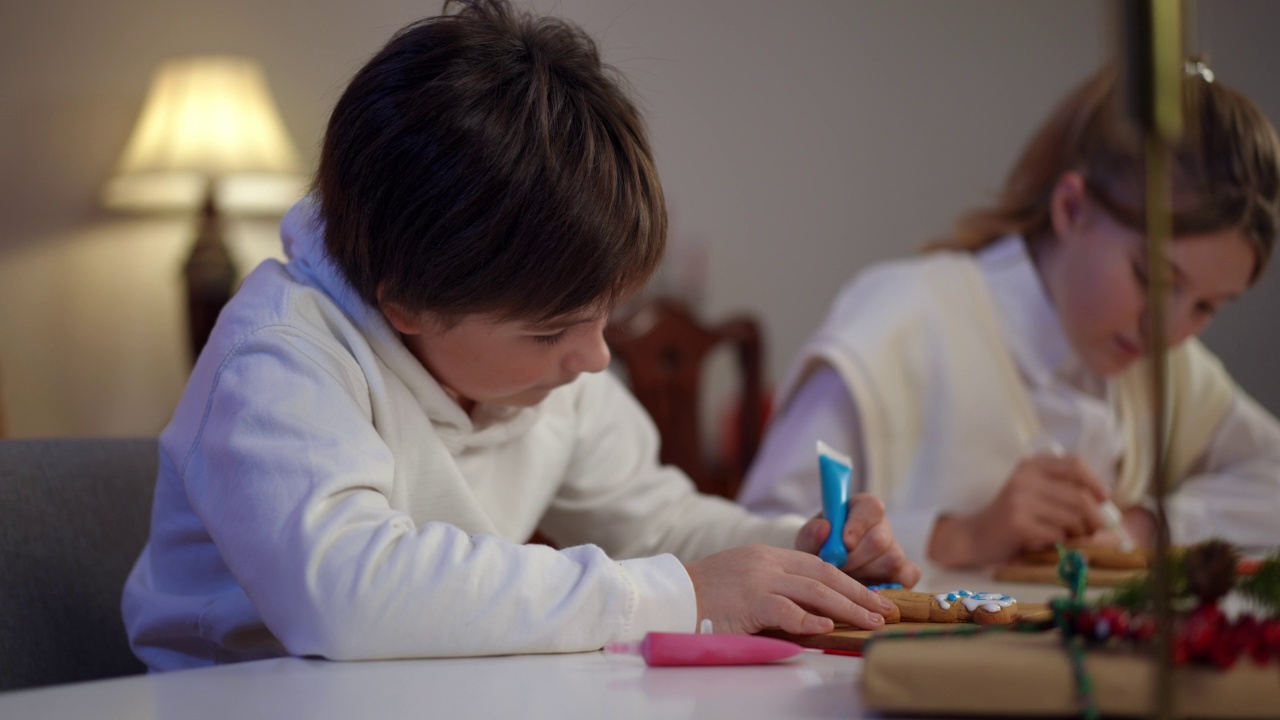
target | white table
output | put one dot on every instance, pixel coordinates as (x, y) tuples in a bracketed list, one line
[(587, 685), (584, 685)]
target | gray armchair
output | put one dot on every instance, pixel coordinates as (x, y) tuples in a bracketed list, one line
[(74, 514)]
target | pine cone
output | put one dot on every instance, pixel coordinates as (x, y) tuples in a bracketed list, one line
[(1211, 569)]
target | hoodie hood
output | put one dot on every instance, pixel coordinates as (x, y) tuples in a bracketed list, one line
[(302, 232)]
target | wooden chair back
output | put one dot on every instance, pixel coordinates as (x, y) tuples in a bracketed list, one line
[(664, 350)]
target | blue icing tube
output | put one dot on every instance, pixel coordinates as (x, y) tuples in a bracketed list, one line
[(835, 502)]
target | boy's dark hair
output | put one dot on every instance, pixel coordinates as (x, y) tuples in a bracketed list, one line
[(486, 161)]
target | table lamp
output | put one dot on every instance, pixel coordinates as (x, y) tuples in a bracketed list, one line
[(209, 136)]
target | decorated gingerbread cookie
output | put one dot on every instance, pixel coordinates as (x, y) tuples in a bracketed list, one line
[(952, 607)]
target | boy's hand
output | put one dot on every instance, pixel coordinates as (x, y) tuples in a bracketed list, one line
[(751, 588), (1046, 500), (874, 553)]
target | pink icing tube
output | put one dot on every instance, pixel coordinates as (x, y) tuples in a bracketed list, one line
[(671, 649)]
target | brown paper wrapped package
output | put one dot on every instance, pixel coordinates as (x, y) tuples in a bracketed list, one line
[(1029, 674)]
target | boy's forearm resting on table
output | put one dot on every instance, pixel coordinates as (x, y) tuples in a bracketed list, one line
[(349, 579)]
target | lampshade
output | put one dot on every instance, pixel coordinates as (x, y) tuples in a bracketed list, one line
[(207, 119)]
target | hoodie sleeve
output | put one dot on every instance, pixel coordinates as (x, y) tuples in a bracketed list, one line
[(289, 476), (618, 495)]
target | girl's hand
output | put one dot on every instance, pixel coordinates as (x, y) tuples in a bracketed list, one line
[(751, 588), (874, 553), (1046, 500), (1140, 524)]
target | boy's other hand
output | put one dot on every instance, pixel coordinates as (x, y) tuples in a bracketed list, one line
[(748, 589), (874, 553)]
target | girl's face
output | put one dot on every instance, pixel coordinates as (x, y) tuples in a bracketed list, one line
[(1095, 271), (484, 359)]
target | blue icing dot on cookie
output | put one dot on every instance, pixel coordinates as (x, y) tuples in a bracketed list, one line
[(885, 586)]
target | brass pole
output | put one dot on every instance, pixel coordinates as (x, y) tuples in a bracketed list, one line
[(1158, 234), (1155, 62)]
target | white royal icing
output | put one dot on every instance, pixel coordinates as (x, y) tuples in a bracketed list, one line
[(991, 602)]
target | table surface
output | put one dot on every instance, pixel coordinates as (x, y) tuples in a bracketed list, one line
[(580, 685)]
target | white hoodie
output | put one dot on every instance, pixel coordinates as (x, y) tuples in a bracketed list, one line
[(319, 494)]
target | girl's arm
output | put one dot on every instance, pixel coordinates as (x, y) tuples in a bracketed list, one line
[(784, 476), (1234, 490)]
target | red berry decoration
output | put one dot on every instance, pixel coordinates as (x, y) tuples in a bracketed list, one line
[(1119, 620), (1270, 640), (1244, 634), (1223, 653), (1260, 653), (1249, 640), (1181, 653), (1084, 622), (1102, 624), (1142, 628), (1204, 635), (1203, 630)]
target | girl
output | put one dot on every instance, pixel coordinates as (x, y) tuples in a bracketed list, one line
[(949, 377)]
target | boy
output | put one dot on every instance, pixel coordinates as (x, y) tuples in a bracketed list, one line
[(374, 427)]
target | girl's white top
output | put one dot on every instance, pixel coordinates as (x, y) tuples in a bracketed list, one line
[(1231, 490)]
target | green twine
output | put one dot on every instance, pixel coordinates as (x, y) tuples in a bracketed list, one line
[(947, 630), (1084, 684), (1073, 568)]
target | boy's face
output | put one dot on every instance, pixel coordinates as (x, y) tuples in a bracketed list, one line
[(1096, 273), (483, 359)]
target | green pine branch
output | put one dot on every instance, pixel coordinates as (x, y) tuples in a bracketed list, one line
[(1135, 594), (1263, 587)]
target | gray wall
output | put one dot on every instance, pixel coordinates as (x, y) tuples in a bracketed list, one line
[(798, 142)]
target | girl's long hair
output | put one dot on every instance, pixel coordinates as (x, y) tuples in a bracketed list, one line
[(1226, 168)]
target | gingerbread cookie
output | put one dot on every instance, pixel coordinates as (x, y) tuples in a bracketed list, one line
[(952, 607), (912, 606)]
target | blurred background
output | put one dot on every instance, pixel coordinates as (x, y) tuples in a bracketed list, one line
[(798, 142)]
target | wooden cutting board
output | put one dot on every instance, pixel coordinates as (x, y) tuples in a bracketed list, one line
[(1043, 574), (1048, 575), (849, 639)]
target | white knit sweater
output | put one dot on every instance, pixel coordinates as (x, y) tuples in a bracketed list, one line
[(942, 413)]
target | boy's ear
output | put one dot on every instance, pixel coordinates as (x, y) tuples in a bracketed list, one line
[(402, 320), (1068, 203)]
